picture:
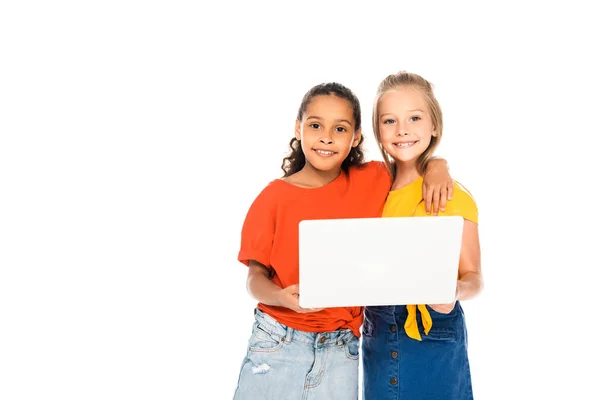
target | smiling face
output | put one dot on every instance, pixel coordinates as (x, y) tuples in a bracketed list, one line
[(327, 132), (405, 123)]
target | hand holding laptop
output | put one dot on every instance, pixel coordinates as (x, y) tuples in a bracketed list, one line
[(288, 298)]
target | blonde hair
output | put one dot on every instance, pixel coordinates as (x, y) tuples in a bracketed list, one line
[(419, 83)]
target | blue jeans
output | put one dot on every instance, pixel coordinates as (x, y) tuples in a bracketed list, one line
[(397, 367), (285, 363)]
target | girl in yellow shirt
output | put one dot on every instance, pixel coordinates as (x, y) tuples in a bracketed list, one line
[(418, 351)]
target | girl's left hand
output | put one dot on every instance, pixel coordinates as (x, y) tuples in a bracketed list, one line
[(437, 186)]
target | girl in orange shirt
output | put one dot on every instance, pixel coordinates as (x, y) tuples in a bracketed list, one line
[(295, 353)]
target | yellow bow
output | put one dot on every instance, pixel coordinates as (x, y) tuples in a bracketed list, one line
[(411, 327)]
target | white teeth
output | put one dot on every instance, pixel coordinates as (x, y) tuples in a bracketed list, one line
[(325, 152), (405, 144)]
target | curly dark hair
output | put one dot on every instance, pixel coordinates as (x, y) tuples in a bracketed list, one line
[(295, 160)]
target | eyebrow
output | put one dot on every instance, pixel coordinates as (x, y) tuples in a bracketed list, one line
[(338, 120), (389, 113)]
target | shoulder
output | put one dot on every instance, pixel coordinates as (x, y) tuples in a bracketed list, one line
[(269, 195), (378, 166), (274, 188), (462, 193), (370, 169), (462, 203)]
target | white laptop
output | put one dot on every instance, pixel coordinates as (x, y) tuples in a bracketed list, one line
[(379, 261)]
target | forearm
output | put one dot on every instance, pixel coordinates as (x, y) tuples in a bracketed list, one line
[(435, 162), (469, 286), (264, 290)]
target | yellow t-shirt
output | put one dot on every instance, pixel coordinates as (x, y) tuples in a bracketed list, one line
[(408, 202)]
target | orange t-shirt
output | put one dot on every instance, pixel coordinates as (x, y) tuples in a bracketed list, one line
[(270, 234)]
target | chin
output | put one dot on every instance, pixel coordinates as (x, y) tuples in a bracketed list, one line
[(402, 155), (405, 157), (323, 165), (405, 160)]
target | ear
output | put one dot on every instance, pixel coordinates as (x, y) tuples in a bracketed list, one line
[(434, 132), (357, 136), (297, 133)]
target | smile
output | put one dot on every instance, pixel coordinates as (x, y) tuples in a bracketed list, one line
[(404, 145), (324, 153)]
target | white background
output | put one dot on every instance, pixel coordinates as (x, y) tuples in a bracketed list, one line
[(134, 136)]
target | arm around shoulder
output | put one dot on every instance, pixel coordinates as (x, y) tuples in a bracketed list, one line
[(438, 185)]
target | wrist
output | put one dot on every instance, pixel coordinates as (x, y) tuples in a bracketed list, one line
[(434, 163), (275, 298)]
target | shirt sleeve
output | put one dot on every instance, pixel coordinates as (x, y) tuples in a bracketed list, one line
[(258, 230), (462, 204)]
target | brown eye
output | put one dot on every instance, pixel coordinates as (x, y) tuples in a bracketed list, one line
[(315, 126)]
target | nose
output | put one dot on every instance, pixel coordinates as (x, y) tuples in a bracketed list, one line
[(401, 132), (326, 138)]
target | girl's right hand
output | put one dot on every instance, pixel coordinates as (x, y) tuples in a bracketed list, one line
[(443, 308), (288, 298)]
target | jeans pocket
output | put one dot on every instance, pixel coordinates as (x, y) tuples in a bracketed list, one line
[(264, 341), (440, 334), (437, 313), (351, 347)]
